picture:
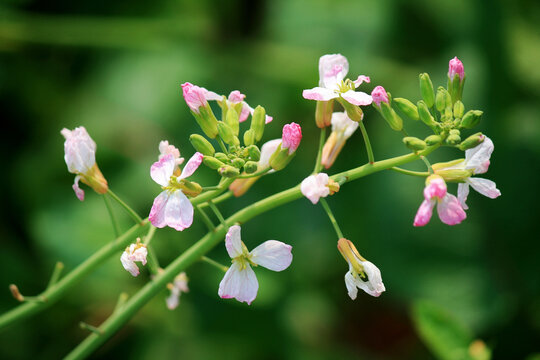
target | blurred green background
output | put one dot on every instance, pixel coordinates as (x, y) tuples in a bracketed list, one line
[(116, 68)]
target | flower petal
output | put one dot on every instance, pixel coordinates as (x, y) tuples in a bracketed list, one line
[(191, 165), (267, 150), (162, 170), (314, 187), (240, 284), (78, 191), (129, 264), (350, 284), (374, 286), (360, 80), (462, 193), (178, 211), (450, 210), (319, 94), (357, 97), (485, 187), (332, 70), (233, 241), (79, 150), (478, 157), (423, 215), (273, 255), (157, 213)]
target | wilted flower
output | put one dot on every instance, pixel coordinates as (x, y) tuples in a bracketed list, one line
[(316, 186), (362, 274), (177, 287), (342, 129), (134, 252), (80, 157), (240, 281), (448, 207), (172, 207)]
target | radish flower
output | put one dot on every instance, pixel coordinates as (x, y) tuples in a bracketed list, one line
[(177, 287), (134, 252), (448, 207), (317, 186)]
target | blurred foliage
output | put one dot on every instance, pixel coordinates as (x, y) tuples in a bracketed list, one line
[(116, 68)]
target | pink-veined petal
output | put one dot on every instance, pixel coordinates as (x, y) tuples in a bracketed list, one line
[(267, 118), (79, 150), (485, 187), (350, 284), (191, 165), (319, 94), (423, 215), (267, 150), (178, 211), (240, 284), (450, 210), (162, 170), (129, 264), (478, 157), (233, 241), (462, 193), (374, 285), (157, 213), (210, 95), (357, 97), (78, 191), (361, 79), (314, 187), (332, 70), (435, 188), (273, 255), (244, 114)]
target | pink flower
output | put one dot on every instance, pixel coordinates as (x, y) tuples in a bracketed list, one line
[(172, 207), (455, 66), (166, 149), (315, 186), (134, 252), (332, 71), (240, 281), (379, 95), (448, 207), (177, 287), (197, 97), (292, 134), (80, 157)]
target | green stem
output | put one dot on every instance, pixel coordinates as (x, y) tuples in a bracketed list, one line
[(428, 164), (217, 212), (218, 199), (258, 173), (122, 298), (130, 211), (214, 263), (58, 267), (369, 150), (331, 217), (208, 188), (111, 214), (149, 236), (318, 165), (205, 218), (222, 145), (409, 172), (153, 263), (208, 242)]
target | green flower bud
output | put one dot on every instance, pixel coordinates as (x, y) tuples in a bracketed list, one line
[(190, 188), (453, 139), (354, 112), (426, 88), (393, 119), (471, 119), (454, 132), (280, 158), (212, 162), (425, 115), (257, 123), (254, 152), (459, 109), (231, 119), (443, 99), (323, 113), (407, 107), (207, 121), (249, 137), (228, 171), (238, 163), (250, 167), (202, 145), (413, 143), (222, 157), (225, 133), (471, 141), (433, 140)]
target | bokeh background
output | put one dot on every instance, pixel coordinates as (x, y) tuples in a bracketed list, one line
[(116, 68)]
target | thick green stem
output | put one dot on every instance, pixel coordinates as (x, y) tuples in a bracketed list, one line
[(258, 173), (318, 165), (208, 242), (369, 150), (332, 218), (129, 210)]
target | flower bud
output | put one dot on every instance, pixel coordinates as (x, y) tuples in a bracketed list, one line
[(238, 163), (393, 119), (426, 88), (291, 136), (253, 152), (453, 139), (257, 123), (250, 167), (471, 141), (190, 188), (413, 143), (249, 137), (379, 95), (222, 157), (433, 140), (231, 119), (425, 115), (280, 159), (459, 109), (323, 113), (240, 186), (228, 171), (354, 112), (456, 78), (212, 162), (227, 134), (406, 107), (471, 119), (443, 99), (202, 145)]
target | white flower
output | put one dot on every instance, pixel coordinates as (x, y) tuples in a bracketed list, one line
[(177, 287), (134, 252), (315, 186), (240, 281), (166, 149)]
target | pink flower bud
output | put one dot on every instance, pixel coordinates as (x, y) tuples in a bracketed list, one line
[(455, 66), (80, 150), (194, 96), (236, 97), (379, 95), (292, 134)]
